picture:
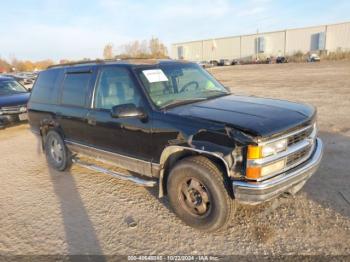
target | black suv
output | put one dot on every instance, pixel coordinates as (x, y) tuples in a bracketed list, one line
[(172, 124)]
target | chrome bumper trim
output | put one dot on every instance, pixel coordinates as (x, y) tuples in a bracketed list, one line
[(256, 192)]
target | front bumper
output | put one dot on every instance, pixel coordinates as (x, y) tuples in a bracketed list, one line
[(9, 118), (247, 192)]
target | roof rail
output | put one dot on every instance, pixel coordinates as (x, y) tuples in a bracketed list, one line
[(97, 61), (104, 61)]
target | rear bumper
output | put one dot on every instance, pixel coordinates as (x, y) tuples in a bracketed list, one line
[(256, 192)]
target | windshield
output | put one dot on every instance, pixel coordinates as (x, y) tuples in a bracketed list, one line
[(10, 87), (174, 84)]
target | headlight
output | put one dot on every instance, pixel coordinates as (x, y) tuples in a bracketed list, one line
[(273, 168), (266, 150), (256, 152), (269, 169)]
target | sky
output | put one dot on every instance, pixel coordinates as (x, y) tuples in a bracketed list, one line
[(76, 29)]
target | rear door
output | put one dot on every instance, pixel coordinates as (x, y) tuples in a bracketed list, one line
[(74, 102)]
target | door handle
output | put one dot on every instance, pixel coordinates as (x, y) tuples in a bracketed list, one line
[(91, 121)]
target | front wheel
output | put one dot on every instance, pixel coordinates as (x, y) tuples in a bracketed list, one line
[(199, 194), (56, 152)]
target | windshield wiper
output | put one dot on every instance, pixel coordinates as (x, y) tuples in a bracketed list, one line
[(178, 102), (219, 94)]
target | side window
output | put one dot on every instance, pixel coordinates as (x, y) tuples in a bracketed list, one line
[(43, 91), (74, 90), (115, 87)]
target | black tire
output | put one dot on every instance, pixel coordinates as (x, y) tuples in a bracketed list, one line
[(56, 152), (2, 125), (206, 204)]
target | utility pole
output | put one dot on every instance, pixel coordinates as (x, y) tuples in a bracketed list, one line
[(202, 50), (257, 44), (285, 43), (240, 48), (325, 39)]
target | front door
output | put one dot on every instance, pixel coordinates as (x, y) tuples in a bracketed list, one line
[(128, 137)]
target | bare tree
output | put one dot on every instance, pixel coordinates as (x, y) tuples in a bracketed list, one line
[(41, 65), (132, 49), (144, 49), (108, 51), (4, 66), (158, 49)]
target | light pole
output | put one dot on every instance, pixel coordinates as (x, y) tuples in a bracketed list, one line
[(257, 44)]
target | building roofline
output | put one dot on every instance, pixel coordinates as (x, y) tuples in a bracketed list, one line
[(259, 33)]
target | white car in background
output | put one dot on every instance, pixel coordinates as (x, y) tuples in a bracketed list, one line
[(313, 58)]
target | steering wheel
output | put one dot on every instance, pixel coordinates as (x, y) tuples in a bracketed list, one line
[(185, 87)]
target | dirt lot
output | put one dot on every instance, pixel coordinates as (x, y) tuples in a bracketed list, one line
[(81, 212)]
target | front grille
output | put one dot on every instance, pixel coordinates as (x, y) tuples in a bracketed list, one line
[(299, 136), (298, 157), (301, 144), (301, 155), (12, 109)]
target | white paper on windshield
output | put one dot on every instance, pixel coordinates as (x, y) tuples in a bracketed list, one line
[(155, 75)]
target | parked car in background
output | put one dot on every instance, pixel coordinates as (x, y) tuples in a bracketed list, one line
[(22, 79), (281, 60), (224, 62), (313, 58), (214, 62), (13, 101), (204, 64), (177, 127)]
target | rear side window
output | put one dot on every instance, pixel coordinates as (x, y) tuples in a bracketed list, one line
[(75, 87), (44, 88)]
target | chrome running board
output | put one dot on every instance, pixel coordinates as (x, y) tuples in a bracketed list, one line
[(136, 180)]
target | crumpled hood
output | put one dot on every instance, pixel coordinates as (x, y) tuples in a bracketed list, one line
[(257, 116), (14, 100)]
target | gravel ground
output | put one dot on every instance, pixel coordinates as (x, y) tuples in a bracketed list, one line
[(81, 212)]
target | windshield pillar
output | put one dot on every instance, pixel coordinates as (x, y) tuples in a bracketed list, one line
[(174, 82)]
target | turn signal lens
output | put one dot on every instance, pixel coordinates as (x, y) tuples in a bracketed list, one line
[(253, 172), (254, 152)]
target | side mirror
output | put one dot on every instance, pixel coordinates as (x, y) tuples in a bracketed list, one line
[(127, 111)]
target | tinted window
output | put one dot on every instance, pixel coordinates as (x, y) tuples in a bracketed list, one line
[(115, 87), (43, 90), (10, 87), (74, 88), (180, 82)]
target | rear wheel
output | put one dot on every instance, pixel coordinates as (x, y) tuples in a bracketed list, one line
[(56, 152), (199, 194)]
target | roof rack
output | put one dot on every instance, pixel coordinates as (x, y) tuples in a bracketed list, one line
[(139, 60), (97, 61)]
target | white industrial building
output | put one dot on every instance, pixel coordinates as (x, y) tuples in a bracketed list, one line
[(326, 38)]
